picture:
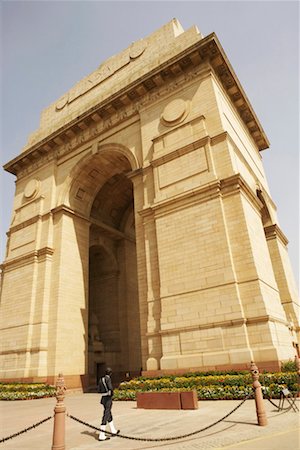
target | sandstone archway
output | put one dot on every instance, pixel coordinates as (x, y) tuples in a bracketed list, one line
[(103, 194), (158, 151)]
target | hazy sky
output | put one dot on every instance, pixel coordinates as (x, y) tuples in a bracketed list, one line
[(46, 47)]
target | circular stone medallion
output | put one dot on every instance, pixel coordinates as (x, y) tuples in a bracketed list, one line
[(31, 188), (174, 111), (137, 48), (61, 103)]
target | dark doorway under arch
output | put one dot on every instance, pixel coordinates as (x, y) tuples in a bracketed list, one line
[(114, 322)]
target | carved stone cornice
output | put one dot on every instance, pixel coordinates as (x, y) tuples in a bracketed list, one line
[(157, 161), (64, 209), (221, 137), (236, 183), (45, 251), (24, 224), (74, 135), (28, 258), (137, 173), (274, 232), (266, 318), (19, 351), (182, 201), (124, 103), (223, 324), (218, 188)]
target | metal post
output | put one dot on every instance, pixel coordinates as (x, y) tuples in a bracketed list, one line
[(58, 442), (297, 362), (259, 401)]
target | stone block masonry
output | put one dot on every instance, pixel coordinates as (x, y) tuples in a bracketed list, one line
[(144, 236)]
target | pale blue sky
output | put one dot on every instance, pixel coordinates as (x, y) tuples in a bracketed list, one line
[(48, 46)]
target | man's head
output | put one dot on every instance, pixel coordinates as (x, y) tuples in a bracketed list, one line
[(108, 371)]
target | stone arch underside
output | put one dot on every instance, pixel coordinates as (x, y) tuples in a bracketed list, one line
[(78, 190), (103, 194)]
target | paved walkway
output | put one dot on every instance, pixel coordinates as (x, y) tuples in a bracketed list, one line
[(239, 431)]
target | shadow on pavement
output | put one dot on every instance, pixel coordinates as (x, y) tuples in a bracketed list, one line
[(240, 421), (93, 434)]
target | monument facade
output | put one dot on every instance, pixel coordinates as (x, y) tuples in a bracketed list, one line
[(143, 234)]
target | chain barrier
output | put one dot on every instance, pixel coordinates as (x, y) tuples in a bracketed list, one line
[(277, 406), (147, 439), (26, 429), (280, 408), (164, 439)]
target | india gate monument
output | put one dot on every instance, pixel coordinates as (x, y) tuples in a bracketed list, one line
[(143, 233)]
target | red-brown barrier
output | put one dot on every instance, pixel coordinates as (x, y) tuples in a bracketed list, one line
[(259, 401), (167, 400), (189, 399), (58, 442)]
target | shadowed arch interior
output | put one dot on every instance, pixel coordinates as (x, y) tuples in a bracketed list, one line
[(114, 329), (92, 174), (113, 200)]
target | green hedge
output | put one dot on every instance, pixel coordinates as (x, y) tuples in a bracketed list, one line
[(289, 366), (221, 386), (24, 391), (209, 385)]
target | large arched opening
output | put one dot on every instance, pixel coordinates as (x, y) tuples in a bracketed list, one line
[(103, 193)]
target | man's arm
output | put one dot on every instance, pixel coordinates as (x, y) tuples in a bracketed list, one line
[(109, 384)]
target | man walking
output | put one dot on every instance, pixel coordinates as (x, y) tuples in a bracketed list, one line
[(106, 389)]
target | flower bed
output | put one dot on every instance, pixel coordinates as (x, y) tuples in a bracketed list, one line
[(24, 391), (209, 387)]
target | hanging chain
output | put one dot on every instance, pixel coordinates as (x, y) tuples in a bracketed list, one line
[(25, 430), (147, 439), (280, 408), (164, 439)]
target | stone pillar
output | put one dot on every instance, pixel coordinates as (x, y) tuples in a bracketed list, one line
[(147, 270), (58, 442), (25, 291), (277, 244), (259, 401), (266, 318), (153, 294), (68, 315)]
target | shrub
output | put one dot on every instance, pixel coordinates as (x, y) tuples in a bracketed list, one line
[(220, 386), (289, 366), (25, 391)]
